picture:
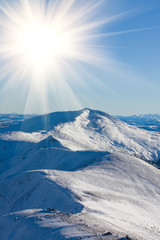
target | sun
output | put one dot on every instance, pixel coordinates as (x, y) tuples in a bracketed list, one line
[(50, 36), (41, 43)]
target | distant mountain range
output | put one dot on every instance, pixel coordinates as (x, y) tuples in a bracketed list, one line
[(14, 118), (149, 122)]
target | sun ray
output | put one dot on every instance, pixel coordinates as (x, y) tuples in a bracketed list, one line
[(43, 43)]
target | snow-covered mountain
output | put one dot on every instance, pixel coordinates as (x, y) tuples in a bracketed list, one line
[(70, 175), (88, 130)]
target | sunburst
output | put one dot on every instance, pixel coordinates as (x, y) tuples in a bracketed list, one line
[(45, 42)]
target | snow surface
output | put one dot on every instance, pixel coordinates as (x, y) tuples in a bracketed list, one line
[(74, 179), (39, 224), (120, 192)]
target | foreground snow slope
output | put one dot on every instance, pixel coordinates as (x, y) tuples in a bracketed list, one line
[(42, 225), (105, 192), (88, 130), (120, 193)]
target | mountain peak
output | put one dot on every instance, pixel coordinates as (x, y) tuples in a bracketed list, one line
[(50, 141), (89, 130)]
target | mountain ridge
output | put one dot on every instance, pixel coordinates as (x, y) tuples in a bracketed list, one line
[(90, 130)]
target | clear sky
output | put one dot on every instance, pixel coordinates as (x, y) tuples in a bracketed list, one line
[(102, 56)]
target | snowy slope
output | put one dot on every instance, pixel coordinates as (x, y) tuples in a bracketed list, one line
[(44, 122), (48, 154), (42, 225), (104, 192), (120, 193), (73, 177), (88, 130), (95, 130)]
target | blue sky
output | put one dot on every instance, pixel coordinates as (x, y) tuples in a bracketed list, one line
[(126, 81)]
